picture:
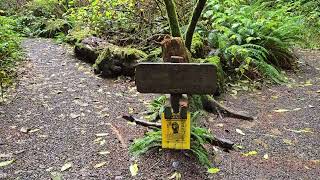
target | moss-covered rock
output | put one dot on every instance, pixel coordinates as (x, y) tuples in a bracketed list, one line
[(115, 61), (89, 49), (197, 46)]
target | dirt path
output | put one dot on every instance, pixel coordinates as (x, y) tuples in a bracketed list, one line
[(66, 106)]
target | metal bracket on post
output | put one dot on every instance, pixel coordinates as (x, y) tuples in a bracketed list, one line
[(175, 98)]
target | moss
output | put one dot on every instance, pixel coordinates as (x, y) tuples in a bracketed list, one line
[(154, 55), (78, 34), (114, 61), (197, 47)]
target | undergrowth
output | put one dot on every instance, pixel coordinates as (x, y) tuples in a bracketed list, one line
[(199, 137), (252, 40), (10, 52)]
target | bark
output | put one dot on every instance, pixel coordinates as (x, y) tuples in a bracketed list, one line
[(174, 46), (173, 18), (193, 22), (213, 106)]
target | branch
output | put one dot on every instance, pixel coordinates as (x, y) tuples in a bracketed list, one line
[(173, 18), (213, 106), (193, 22), (142, 122), (220, 142)]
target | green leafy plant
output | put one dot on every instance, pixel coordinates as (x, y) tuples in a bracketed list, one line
[(199, 137), (252, 40), (9, 52), (156, 107)]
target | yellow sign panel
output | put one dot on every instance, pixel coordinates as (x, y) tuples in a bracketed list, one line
[(175, 132)]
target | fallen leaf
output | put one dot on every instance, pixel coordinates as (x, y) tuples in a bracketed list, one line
[(305, 130), (213, 170), (318, 91), (130, 110), (266, 156), (134, 169), (66, 166), (56, 175), (6, 163), (104, 152), (100, 164), (250, 153), (73, 115), (296, 109), (308, 83), (287, 141), (239, 147), (34, 130), (175, 175), (102, 134), (219, 125), (102, 142), (240, 132), (274, 97), (25, 130), (281, 110)]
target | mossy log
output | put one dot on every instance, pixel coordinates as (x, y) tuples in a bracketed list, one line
[(89, 49), (115, 61)]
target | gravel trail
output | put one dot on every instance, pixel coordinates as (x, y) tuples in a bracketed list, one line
[(71, 115)]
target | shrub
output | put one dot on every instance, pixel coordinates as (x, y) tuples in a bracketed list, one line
[(252, 38), (9, 51)]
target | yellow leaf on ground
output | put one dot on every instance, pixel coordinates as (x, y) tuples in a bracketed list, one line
[(34, 130), (134, 169), (288, 141), (6, 163), (266, 156), (175, 175), (250, 153), (213, 170), (66, 166), (281, 110), (102, 134), (100, 164), (240, 131), (104, 152)]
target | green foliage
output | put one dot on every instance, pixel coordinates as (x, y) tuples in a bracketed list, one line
[(156, 107), (199, 137), (9, 51), (197, 46), (252, 38)]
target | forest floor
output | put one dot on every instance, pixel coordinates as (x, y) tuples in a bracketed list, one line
[(61, 115)]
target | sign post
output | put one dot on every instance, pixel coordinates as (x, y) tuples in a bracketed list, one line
[(176, 79)]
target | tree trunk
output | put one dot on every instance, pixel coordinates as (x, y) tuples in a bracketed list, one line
[(173, 48), (173, 18), (193, 22)]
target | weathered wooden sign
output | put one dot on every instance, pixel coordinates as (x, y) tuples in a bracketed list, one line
[(176, 78)]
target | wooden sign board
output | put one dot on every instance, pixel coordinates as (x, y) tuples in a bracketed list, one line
[(176, 78)]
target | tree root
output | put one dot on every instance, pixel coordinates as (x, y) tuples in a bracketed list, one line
[(213, 106), (220, 142)]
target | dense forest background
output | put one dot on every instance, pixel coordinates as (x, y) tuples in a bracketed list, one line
[(251, 40)]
